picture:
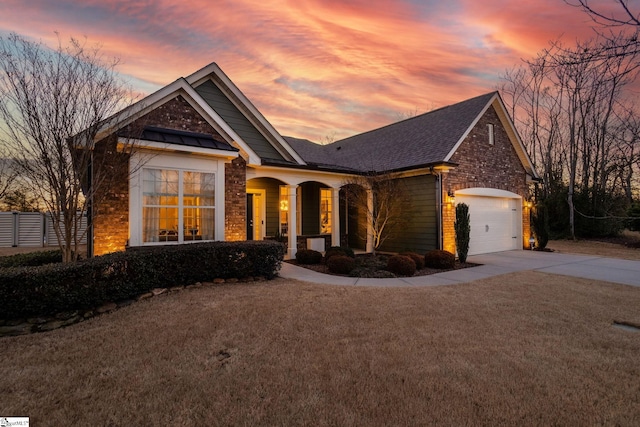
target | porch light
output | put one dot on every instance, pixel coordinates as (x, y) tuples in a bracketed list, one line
[(532, 242), (284, 205), (451, 196)]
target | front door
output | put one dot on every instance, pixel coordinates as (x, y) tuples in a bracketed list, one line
[(250, 219), (255, 215)]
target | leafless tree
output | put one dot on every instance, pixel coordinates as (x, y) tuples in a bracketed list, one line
[(7, 172), (52, 102), (384, 199), (570, 106)]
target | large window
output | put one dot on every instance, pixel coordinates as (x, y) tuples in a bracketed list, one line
[(325, 210), (177, 206), (284, 210)]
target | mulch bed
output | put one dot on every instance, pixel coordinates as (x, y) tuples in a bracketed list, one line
[(322, 268)]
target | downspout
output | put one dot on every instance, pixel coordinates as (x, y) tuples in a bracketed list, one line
[(90, 207), (440, 242)]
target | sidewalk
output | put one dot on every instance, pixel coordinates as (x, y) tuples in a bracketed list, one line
[(586, 266)]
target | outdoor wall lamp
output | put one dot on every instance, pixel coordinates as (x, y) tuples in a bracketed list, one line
[(452, 197)]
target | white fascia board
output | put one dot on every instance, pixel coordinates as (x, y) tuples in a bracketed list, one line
[(165, 146), (129, 114), (204, 73), (515, 136), (469, 129), (178, 87)]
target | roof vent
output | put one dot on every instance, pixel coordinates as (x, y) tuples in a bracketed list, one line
[(338, 148)]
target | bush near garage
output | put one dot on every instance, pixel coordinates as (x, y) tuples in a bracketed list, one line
[(439, 259), (54, 288), (401, 265)]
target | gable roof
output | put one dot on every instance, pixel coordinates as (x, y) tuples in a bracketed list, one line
[(424, 140), (233, 132)]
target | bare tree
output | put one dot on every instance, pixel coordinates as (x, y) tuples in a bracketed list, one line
[(384, 200), (570, 106), (53, 102), (7, 172)]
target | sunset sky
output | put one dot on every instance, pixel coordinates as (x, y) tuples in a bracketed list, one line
[(314, 68)]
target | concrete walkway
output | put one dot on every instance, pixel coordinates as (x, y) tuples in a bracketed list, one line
[(587, 266)]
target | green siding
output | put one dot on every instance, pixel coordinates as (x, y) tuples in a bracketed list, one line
[(420, 234), (237, 121), (311, 208), (272, 196)]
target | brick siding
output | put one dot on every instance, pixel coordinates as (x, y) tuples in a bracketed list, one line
[(110, 211), (235, 202), (486, 166), (111, 207)]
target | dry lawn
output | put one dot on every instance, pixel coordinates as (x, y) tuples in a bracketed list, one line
[(522, 349), (614, 248)]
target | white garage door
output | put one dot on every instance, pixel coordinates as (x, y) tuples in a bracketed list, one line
[(496, 220)]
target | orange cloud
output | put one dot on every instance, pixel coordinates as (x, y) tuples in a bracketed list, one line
[(313, 67)]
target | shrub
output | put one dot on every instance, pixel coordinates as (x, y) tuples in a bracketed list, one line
[(308, 256), (341, 264), (417, 258), (540, 225), (54, 288), (32, 259), (462, 227), (338, 250), (401, 265), (439, 259)]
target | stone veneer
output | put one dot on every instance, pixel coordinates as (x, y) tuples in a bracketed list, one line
[(487, 166)]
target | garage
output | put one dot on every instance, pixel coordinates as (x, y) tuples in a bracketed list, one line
[(496, 219)]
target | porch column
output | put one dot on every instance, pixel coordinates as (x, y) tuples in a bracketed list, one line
[(335, 217), (369, 247), (293, 226)]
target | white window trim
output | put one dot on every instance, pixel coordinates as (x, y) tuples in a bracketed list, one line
[(175, 162), (491, 130)]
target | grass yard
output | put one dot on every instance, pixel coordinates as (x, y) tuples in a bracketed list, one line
[(522, 349)]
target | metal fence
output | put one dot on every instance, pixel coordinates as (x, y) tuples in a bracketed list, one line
[(30, 229)]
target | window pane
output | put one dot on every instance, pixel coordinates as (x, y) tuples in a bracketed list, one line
[(160, 224), (198, 223), (325, 210), (284, 210)]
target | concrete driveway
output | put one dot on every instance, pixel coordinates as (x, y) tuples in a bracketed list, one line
[(587, 266)]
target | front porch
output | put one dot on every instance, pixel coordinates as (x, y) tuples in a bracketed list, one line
[(303, 214)]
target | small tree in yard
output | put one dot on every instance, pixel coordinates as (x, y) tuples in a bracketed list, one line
[(463, 230), (387, 208), (53, 103), (540, 225)]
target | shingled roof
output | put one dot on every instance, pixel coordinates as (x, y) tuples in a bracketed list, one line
[(422, 140)]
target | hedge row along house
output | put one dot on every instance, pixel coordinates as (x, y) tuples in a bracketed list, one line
[(211, 167)]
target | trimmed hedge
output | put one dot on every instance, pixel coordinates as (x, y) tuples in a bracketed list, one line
[(439, 259), (54, 288), (417, 258), (401, 265), (308, 256), (338, 250), (341, 264), (31, 259)]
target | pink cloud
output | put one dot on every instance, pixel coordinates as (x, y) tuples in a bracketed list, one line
[(314, 67)]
